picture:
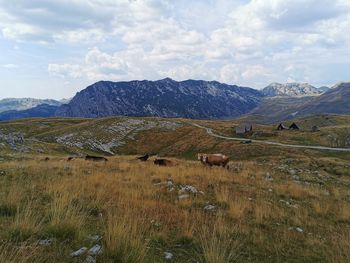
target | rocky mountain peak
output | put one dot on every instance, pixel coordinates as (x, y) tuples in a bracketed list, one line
[(290, 90)]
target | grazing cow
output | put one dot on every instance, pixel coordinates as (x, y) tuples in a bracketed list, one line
[(164, 162), (95, 158), (217, 159), (70, 158), (47, 159), (143, 158)]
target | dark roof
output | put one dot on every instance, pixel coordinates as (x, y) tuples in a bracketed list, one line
[(293, 126), (281, 127)]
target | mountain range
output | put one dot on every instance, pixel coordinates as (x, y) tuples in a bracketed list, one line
[(195, 99), (25, 103)]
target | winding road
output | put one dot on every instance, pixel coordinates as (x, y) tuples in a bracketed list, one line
[(315, 147)]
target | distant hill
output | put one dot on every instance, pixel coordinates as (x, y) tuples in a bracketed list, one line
[(24, 103), (274, 109), (334, 101), (291, 90), (43, 110), (196, 99)]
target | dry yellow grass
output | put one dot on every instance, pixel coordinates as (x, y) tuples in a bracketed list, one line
[(140, 216)]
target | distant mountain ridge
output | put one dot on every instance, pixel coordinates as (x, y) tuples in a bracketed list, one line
[(291, 90), (24, 103), (196, 99), (274, 109), (42, 110)]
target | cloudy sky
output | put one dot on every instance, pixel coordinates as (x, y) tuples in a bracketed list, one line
[(54, 48)]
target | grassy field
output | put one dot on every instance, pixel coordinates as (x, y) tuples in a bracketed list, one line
[(280, 210), (272, 205)]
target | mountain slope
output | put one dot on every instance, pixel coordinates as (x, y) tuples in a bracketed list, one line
[(164, 98), (24, 103), (276, 109), (290, 90), (336, 100), (43, 110)]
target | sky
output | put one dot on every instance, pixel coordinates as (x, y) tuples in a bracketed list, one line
[(55, 48)]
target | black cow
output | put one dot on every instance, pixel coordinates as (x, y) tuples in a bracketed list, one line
[(95, 158), (164, 162), (143, 158)]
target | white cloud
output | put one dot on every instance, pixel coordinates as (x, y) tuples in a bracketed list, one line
[(10, 66), (245, 42), (65, 70)]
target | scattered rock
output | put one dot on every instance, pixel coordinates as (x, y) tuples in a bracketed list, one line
[(90, 259), (299, 229), (170, 186), (270, 190), (289, 204), (169, 183), (184, 196), (296, 177), (96, 249), (94, 237), (79, 252), (292, 172), (45, 242), (268, 177), (209, 207), (168, 255), (188, 189), (156, 181)]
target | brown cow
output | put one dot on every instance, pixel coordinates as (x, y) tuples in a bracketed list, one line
[(95, 158), (217, 159), (164, 162)]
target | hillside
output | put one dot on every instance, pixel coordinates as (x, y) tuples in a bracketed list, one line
[(334, 101), (195, 99), (125, 210), (174, 137), (277, 109), (42, 110)]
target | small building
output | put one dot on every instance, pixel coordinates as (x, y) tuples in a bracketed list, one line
[(294, 126), (244, 129), (281, 127), (315, 128)]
